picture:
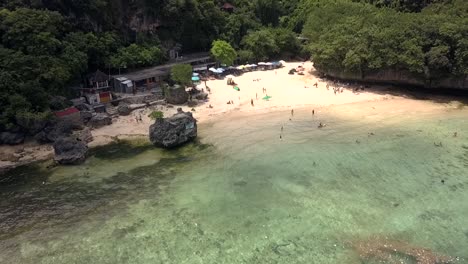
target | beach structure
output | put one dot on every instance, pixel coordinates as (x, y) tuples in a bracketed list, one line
[(71, 114), (150, 79), (96, 88)]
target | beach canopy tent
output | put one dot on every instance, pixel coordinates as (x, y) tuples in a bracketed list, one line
[(241, 67), (261, 63), (195, 74), (282, 62), (219, 70), (195, 78), (266, 98)]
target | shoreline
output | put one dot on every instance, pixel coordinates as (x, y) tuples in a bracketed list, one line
[(287, 91)]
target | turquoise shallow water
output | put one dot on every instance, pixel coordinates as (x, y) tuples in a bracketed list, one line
[(327, 195)]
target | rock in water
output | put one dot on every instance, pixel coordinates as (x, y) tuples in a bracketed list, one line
[(70, 150), (173, 131)]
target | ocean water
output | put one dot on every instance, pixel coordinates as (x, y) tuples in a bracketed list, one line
[(367, 188)]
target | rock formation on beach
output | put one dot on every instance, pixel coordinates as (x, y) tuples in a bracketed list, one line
[(70, 150), (176, 95), (173, 131), (11, 138), (99, 120)]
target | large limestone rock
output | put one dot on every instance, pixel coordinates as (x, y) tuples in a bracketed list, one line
[(54, 130), (70, 150), (124, 110), (100, 120), (176, 95), (11, 138), (173, 131), (84, 135)]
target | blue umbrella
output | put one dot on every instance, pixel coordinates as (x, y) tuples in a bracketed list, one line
[(195, 78)]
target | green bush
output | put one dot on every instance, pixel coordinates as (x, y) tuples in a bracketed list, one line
[(156, 115)]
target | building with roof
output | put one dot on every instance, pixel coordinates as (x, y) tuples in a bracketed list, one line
[(96, 88), (150, 79)]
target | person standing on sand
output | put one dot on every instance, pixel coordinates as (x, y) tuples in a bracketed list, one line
[(251, 102), (292, 112), (281, 129), (256, 96), (313, 112)]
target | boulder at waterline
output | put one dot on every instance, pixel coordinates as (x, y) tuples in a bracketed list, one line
[(173, 131), (70, 150)]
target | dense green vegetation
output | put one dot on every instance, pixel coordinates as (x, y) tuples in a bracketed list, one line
[(359, 38), (47, 46), (182, 74), (223, 52)]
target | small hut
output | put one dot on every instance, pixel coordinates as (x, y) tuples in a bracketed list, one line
[(97, 88)]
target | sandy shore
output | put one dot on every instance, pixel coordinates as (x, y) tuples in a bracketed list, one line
[(287, 92)]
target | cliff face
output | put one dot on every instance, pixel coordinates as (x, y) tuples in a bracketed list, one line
[(398, 77)]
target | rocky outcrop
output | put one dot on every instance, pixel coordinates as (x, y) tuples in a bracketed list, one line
[(201, 96), (84, 135), (86, 116), (55, 130), (399, 77), (173, 131), (69, 150), (11, 138), (124, 109), (100, 120), (176, 95), (138, 99)]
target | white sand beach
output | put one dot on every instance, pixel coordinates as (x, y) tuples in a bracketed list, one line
[(287, 92)]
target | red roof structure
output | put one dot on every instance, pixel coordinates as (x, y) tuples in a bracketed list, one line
[(66, 112)]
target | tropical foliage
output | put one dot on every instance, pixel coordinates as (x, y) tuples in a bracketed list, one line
[(182, 74)]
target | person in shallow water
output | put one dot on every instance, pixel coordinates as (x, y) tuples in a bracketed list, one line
[(292, 112)]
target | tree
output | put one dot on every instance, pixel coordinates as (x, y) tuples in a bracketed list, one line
[(136, 56), (182, 74), (261, 43), (223, 52)]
